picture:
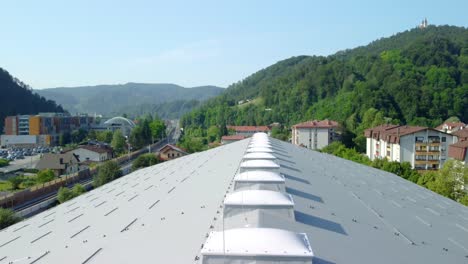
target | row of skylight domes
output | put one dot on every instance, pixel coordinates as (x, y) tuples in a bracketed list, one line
[(248, 235)]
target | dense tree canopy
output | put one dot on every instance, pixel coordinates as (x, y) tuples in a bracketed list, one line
[(418, 77), (17, 98), (7, 218), (145, 160), (107, 172)]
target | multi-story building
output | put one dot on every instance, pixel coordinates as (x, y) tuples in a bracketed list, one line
[(248, 131), (424, 148), (315, 134), (50, 124), (11, 125)]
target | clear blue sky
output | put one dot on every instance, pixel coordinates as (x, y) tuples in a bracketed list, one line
[(88, 42)]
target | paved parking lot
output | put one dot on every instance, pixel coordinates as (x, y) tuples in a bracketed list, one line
[(27, 162)]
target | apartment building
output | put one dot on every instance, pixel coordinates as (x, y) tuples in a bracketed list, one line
[(50, 124), (248, 131), (315, 134), (424, 148)]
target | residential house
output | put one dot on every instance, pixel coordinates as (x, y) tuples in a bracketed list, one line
[(424, 148), (451, 127), (461, 134), (248, 131), (60, 164), (93, 153), (315, 134), (230, 139), (169, 152), (458, 151)]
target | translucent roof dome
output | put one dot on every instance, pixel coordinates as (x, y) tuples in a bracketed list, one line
[(258, 197), (120, 120), (258, 242)]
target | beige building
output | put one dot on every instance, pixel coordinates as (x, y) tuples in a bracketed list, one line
[(315, 134), (60, 164), (232, 138), (169, 152), (248, 131), (424, 148)]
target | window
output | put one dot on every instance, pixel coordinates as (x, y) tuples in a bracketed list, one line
[(444, 139), (420, 157), (434, 139), (420, 139)]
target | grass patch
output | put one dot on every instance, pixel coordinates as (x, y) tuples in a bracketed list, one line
[(256, 101), (5, 186)]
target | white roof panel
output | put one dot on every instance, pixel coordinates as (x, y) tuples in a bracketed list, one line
[(259, 145), (259, 176), (259, 164), (257, 242), (259, 155), (258, 197), (259, 149)]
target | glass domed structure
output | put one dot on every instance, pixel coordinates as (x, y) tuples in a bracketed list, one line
[(124, 124)]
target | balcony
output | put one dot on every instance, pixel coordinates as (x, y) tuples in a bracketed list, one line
[(420, 162)]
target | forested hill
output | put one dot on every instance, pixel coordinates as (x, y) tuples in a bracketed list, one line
[(18, 98), (415, 77), (129, 98)]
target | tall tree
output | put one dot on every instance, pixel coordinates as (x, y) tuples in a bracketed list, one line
[(118, 142)]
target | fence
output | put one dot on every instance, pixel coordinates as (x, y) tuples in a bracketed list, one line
[(27, 195)]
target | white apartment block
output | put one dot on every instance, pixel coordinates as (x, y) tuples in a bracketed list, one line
[(315, 134), (424, 148)]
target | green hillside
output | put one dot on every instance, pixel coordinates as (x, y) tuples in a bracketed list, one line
[(418, 77), (18, 98), (129, 98)]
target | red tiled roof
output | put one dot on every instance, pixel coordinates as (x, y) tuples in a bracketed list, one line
[(461, 134), (392, 133), (458, 150), (249, 128), (451, 125), (169, 146), (233, 137), (96, 149), (317, 124)]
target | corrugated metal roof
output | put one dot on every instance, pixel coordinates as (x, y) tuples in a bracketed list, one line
[(350, 212)]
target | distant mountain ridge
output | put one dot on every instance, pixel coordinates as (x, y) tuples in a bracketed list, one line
[(120, 98), (17, 98)]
